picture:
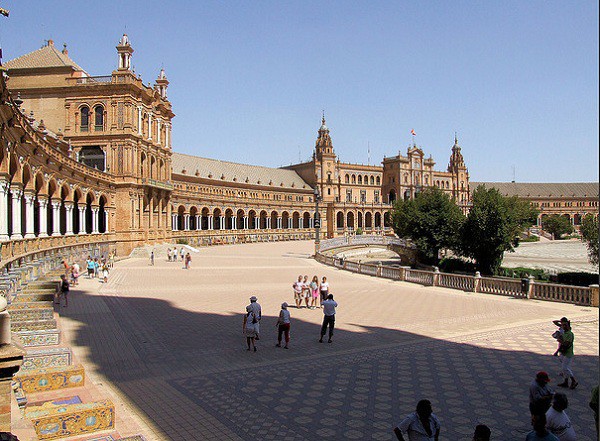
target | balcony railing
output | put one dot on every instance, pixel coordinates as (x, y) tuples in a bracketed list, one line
[(164, 185)]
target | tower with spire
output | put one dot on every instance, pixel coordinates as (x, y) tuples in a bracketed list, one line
[(125, 51), (326, 176), (162, 83), (460, 175)]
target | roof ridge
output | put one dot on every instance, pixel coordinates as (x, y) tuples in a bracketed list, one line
[(231, 162)]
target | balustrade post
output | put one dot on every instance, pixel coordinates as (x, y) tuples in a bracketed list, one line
[(379, 269), (435, 280), (530, 290), (69, 218), (82, 226), (55, 218), (17, 194), (403, 272), (477, 282), (594, 295)]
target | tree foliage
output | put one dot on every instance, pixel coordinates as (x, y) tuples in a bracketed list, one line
[(431, 220), (589, 235), (493, 226), (557, 225)]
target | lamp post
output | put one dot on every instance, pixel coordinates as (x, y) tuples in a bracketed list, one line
[(317, 220)]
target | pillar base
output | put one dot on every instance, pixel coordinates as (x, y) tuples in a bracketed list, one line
[(55, 234), (4, 238), (16, 237), (29, 236), (69, 233), (43, 235)]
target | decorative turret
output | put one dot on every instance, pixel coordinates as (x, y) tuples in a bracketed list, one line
[(457, 161), (323, 145), (124, 50), (162, 83)]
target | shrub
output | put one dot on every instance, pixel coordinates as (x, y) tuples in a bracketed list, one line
[(182, 241), (456, 265), (576, 279), (520, 272), (530, 239), (359, 231)]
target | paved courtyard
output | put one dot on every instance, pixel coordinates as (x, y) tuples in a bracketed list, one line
[(554, 256), (167, 343)]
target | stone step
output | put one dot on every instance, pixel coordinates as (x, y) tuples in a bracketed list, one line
[(48, 337), (42, 284), (26, 291), (53, 420), (27, 297), (47, 358), (43, 380), (31, 314), (19, 304), (32, 325)]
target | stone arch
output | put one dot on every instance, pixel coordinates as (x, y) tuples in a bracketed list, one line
[(359, 218), (350, 220), (204, 213), (228, 219), (295, 220), (347, 178), (372, 180), (353, 178), (262, 223), (103, 214), (193, 219), (306, 220), (577, 218), (377, 219), (143, 164), (392, 196), (368, 220), (90, 200), (339, 219), (285, 216), (240, 219), (252, 220), (387, 219), (378, 180), (181, 211), (274, 216), (78, 202), (360, 180), (152, 167), (217, 213)]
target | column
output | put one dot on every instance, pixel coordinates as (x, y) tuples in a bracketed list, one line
[(198, 222), (82, 226), (140, 120), (269, 223), (17, 193), (301, 223), (4, 186), (210, 222), (234, 223), (69, 219), (55, 218), (221, 222), (149, 126), (279, 219), (290, 222), (158, 121), (43, 216), (167, 129), (150, 212), (95, 211), (245, 222), (174, 222), (105, 220), (311, 223)]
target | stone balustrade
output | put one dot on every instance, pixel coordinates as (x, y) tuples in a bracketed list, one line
[(579, 295)]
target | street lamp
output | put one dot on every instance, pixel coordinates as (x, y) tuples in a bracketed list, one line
[(317, 220)]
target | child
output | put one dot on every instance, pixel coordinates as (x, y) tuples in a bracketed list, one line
[(63, 290)]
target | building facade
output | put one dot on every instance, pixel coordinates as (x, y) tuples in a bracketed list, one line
[(92, 155)]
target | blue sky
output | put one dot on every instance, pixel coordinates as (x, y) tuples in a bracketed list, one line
[(517, 80)]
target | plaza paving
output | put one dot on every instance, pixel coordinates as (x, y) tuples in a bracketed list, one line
[(167, 345), (554, 256)]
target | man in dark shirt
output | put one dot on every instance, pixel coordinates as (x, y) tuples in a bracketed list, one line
[(63, 290)]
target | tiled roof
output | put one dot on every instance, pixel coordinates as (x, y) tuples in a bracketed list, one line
[(544, 190), (234, 172), (47, 56)]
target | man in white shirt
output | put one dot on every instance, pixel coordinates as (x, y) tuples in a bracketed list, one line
[(257, 310), (329, 306)]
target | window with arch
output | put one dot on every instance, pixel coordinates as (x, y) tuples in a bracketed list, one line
[(372, 180), (359, 179), (347, 179), (354, 179), (85, 119), (378, 180), (98, 118)]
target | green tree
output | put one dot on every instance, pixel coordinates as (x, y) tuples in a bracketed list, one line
[(431, 220), (493, 226), (557, 225), (589, 235)]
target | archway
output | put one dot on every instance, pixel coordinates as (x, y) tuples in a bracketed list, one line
[(350, 220)]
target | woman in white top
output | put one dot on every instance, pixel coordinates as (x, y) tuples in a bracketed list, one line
[(283, 325), (557, 421), (249, 327), (324, 288)]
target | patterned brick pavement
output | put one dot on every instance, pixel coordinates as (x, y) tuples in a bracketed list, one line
[(168, 344)]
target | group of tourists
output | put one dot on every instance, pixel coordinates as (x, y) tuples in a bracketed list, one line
[(253, 315), (310, 292), (186, 257), (548, 417), (96, 268)]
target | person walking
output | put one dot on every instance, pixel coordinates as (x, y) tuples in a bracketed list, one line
[(283, 325), (152, 258), (111, 259), (249, 328), (105, 271), (63, 290), (539, 432), (181, 253), (96, 267), (188, 260), (557, 421), (329, 306), (168, 254), (540, 394), (324, 290), (89, 263), (75, 273), (421, 425), (306, 291), (257, 310), (566, 355)]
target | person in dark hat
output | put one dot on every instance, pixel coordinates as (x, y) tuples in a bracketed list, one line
[(482, 433), (540, 394)]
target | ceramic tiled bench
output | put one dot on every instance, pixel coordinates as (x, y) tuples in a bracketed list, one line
[(42, 380)]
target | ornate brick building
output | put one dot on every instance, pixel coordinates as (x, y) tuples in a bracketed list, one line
[(93, 156)]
